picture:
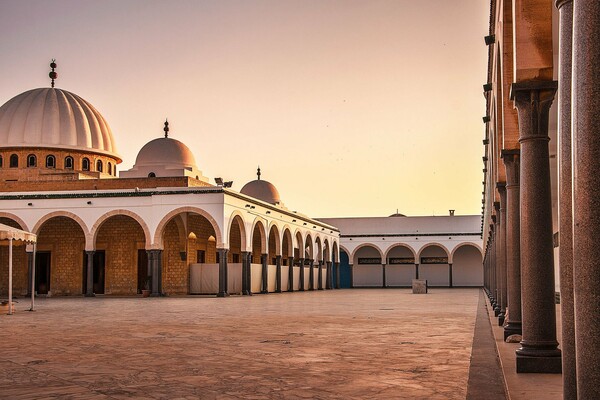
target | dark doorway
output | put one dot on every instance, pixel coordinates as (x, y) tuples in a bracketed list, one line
[(345, 273), (142, 271), (42, 272)]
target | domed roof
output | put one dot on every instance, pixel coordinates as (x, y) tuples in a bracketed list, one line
[(397, 214), (54, 118), (165, 151), (262, 190)]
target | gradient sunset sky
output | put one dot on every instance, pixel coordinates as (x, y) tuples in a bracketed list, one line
[(351, 108)]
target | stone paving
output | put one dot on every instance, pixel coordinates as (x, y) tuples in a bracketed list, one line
[(342, 344)]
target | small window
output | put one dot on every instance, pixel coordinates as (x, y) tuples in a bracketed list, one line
[(99, 166), (1, 162), (31, 161), (85, 164), (109, 168), (14, 161), (68, 162), (151, 175), (50, 161)]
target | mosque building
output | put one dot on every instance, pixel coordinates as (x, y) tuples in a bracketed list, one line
[(162, 228)]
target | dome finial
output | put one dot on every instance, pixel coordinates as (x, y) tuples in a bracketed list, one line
[(166, 128), (53, 75), (258, 172)]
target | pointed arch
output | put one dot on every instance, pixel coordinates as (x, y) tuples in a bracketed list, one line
[(158, 233), (238, 216), (258, 226), (134, 216), (274, 238)]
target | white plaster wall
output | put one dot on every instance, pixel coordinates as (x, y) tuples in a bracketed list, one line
[(271, 277), (368, 275), (467, 269), (285, 277), (436, 274), (256, 278), (399, 274), (296, 278)]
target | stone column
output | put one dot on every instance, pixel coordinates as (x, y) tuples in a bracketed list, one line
[(329, 278), (450, 275), (502, 252), (586, 185), (320, 276), (336, 267), (416, 270), (155, 265), (89, 282), (311, 275), (223, 289), (278, 274), (384, 279), (265, 274), (245, 268), (351, 276), (497, 267), (513, 253), (248, 273), (291, 274), (539, 348), (565, 200), (301, 277)]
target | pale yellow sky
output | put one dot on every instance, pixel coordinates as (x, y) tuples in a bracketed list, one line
[(351, 108)]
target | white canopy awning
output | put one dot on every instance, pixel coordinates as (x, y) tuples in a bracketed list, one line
[(8, 232), (8, 235)]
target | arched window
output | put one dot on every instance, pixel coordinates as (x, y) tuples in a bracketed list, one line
[(115, 170), (14, 161), (31, 161), (85, 164), (99, 166), (151, 175), (68, 162), (50, 161), (1, 162), (109, 168)]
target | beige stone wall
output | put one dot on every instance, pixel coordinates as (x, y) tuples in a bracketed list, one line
[(65, 240), (175, 270), (120, 237)]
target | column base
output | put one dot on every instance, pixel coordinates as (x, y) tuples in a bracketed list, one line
[(264, 292), (246, 293), (222, 294), (501, 317), (320, 288), (88, 295), (512, 328), (538, 365), (278, 291)]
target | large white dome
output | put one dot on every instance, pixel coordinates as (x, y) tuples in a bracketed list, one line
[(54, 118), (165, 151)]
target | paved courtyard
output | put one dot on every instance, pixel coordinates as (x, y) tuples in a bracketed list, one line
[(342, 344)]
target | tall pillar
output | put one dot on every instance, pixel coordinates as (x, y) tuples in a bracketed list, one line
[(384, 279), (301, 287), (450, 275), (223, 290), (155, 265), (565, 199), (265, 274), (291, 274), (586, 185), (351, 276), (513, 244), (311, 275), (496, 256), (320, 276), (501, 256), (246, 273), (336, 267), (89, 282), (277, 274), (328, 279), (539, 348), (416, 270)]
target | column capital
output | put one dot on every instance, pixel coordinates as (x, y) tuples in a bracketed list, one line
[(560, 3)]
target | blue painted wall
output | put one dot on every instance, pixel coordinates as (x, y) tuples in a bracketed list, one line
[(345, 277)]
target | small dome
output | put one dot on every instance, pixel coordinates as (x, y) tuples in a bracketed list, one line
[(55, 118), (397, 214), (262, 190), (165, 151)]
